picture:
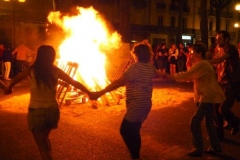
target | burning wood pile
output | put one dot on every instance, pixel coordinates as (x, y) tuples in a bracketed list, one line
[(67, 94), (83, 53)]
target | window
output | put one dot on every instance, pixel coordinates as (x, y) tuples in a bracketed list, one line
[(173, 21), (160, 21), (210, 25), (139, 3), (161, 5), (184, 22)]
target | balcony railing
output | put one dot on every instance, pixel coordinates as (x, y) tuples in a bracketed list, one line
[(173, 7)]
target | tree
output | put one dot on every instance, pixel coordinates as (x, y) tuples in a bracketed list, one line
[(219, 5), (124, 26), (204, 22)]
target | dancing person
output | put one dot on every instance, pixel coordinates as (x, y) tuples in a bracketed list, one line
[(207, 92), (138, 80), (227, 63), (43, 109)]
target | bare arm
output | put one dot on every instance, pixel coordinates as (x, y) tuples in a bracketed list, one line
[(165, 75), (176, 52), (65, 77), (114, 85), (15, 51)]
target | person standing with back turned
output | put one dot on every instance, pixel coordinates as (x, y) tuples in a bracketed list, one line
[(138, 80), (227, 65), (43, 110)]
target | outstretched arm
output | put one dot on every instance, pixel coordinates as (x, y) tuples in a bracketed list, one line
[(114, 85), (165, 75), (17, 79), (65, 77)]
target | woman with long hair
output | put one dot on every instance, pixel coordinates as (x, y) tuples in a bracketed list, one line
[(43, 110), (173, 54)]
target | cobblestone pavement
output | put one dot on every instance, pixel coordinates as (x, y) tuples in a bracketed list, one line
[(85, 133)]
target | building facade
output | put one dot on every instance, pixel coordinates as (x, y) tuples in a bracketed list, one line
[(155, 20)]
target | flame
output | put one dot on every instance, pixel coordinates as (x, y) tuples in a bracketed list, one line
[(87, 39)]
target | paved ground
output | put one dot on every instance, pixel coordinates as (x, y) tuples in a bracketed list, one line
[(85, 133)]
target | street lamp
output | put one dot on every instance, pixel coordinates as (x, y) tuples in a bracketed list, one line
[(237, 25), (237, 7)]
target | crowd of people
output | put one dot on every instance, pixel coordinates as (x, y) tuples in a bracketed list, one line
[(13, 61), (214, 75), (173, 60)]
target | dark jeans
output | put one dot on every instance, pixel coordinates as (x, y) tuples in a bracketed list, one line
[(130, 132), (181, 65), (223, 111), (204, 110), (20, 65)]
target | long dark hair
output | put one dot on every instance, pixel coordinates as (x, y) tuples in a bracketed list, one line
[(43, 66)]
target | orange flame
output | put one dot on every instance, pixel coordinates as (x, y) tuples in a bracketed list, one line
[(86, 37)]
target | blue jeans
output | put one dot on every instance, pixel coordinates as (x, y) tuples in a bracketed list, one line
[(204, 110)]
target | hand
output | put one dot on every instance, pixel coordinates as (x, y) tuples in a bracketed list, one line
[(7, 90), (94, 95)]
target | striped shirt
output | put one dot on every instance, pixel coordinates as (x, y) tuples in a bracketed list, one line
[(139, 91)]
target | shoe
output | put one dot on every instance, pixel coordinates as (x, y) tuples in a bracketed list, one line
[(195, 153), (234, 130), (213, 151)]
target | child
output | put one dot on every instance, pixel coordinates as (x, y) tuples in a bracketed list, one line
[(207, 92), (138, 80)]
